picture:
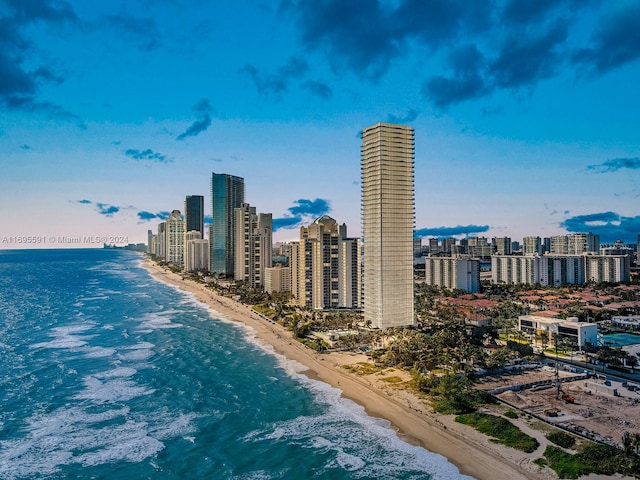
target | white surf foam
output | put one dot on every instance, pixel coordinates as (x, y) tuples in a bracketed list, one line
[(112, 390)]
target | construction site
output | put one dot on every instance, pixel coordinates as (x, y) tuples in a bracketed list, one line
[(582, 403)]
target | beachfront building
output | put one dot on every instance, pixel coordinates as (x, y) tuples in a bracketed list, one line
[(175, 238), (294, 265), (277, 279), (350, 284), (453, 273), (545, 330), (196, 252), (194, 214), (161, 241), (227, 193), (328, 266), (387, 169), (253, 245)]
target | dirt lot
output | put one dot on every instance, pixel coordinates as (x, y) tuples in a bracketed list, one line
[(594, 411)]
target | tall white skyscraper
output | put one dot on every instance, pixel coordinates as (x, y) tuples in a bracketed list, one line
[(387, 224)]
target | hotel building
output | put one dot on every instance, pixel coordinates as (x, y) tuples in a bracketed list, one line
[(387, 166)]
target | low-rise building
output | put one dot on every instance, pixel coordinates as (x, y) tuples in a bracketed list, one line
[(579, 333)]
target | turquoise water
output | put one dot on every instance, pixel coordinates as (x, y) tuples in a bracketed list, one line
[(106, 373), (620, 339)]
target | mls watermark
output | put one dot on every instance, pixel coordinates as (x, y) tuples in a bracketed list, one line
[(63, 239)]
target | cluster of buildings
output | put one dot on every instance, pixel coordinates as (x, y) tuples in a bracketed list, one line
[(576, 259), (326, 269)]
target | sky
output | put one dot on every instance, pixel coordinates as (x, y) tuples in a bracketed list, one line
[(526, 113)]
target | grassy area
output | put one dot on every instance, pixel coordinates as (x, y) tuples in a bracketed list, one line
[(393, 379), (363, 368), (501, 429), (561, 439), (592, 458)]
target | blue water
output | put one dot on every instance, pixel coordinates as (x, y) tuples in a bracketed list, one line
[(106, 373), (620, 339)]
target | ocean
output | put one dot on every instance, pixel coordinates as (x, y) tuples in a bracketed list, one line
[(106, 373)]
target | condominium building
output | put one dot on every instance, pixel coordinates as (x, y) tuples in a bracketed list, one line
[(196, 252), (194, 214), (453, 273), (161, 240), (501, 245), (175, 238), (253, 245), (296, 269), (560, 269), (387, 167), (574, 244), (532, 246), (350, 284), (511, 269), (277, 279), (479, 247), (607, 268), (227, 193), (328, 266)]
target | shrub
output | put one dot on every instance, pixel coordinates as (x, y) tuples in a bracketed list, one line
[(510, 414), (501, 429), (564, 464), (561, 439), (603, 459)]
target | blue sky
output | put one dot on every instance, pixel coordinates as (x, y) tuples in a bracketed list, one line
[(525, 111)]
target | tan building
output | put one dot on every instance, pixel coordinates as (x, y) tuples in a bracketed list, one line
[(324, 264), (387, 166), (277, 279), (196, 252), (175, 238), (253, 245)]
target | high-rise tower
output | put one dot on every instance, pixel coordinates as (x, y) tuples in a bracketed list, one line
[(227, 193), (387, 224), (194, 214)]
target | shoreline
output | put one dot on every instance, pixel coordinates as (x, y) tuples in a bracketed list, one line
[(471, 452)]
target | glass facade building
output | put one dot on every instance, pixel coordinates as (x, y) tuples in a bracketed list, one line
[(194, 214), (227, 193)]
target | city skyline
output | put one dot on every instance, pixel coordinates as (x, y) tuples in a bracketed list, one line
[(524, 113)]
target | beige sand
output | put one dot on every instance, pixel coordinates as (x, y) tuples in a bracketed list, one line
[(469, 450)]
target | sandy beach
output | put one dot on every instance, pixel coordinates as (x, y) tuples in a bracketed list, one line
[(414, 420)]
